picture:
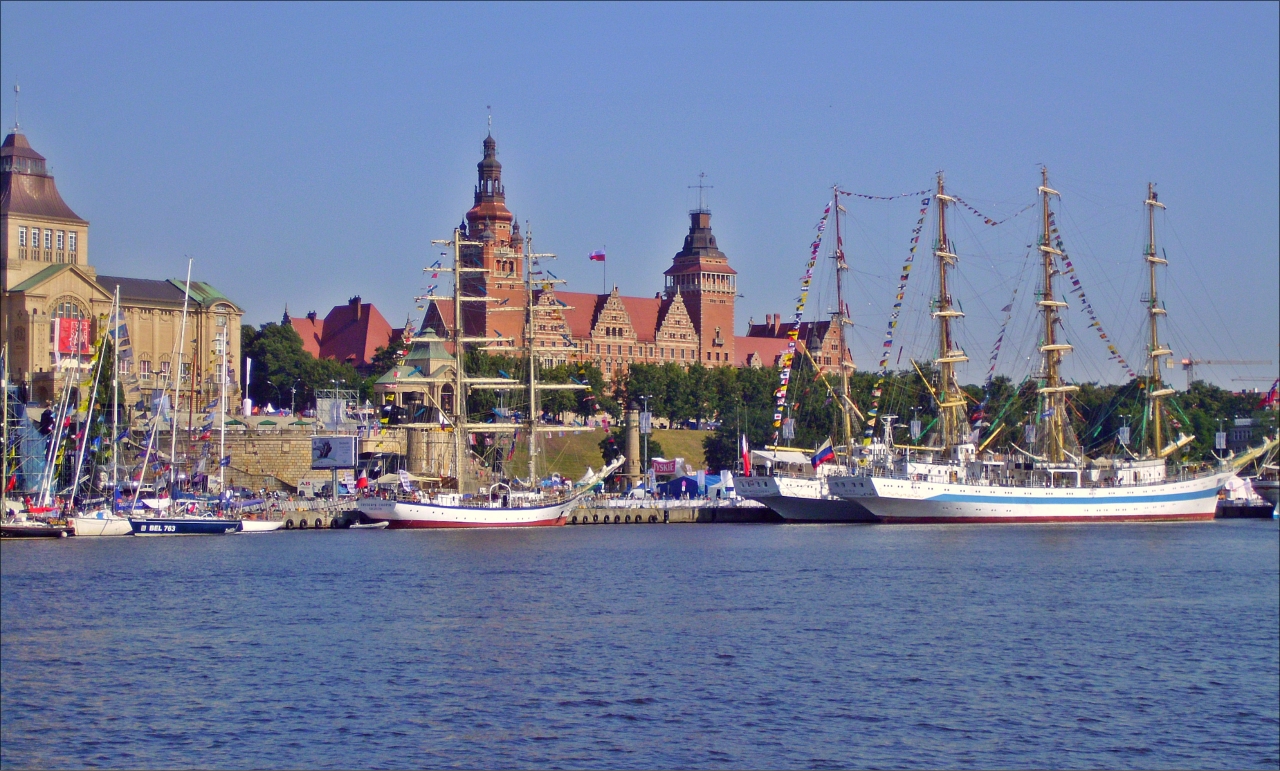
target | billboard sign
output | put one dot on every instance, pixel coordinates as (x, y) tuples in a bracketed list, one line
[(333, 452), (73, 335)]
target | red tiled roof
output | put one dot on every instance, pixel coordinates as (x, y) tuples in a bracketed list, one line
[(353, 333), (644, 316), (768, 349), (581, 317), (311, 331)]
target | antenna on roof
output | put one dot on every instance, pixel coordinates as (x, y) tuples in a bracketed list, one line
[(489, 107), (702, 187), (16, 90)]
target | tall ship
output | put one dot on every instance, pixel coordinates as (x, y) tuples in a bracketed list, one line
[(793, 485), (467, 500), (1050, 480)]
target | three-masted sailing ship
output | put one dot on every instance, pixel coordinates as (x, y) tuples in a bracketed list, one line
[(504, 502), (791, 490), (1050, 480)]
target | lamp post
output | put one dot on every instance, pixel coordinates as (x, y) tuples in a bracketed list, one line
[(647, 428)]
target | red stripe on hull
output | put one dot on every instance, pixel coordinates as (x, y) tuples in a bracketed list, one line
[(1047, 520), (421, 524)]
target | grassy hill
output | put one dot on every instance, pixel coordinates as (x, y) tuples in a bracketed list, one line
[(572, 453)]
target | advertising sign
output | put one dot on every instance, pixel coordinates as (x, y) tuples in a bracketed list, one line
[(661, 466), (73, 335), (333, 452)]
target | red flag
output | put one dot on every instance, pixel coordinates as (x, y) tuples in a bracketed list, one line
[(596, 256)]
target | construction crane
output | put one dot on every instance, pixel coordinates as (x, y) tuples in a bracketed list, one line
[(1189, 365)]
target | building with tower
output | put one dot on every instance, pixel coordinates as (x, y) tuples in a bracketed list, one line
[(689, 320), (56, 304)]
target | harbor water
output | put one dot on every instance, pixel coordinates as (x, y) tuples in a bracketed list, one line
[(1080, 646)]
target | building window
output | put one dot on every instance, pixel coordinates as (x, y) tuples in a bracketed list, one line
[(48, 239), (164, 367), (222, 321), (22, 236), (186, 370), (144, 368), (62, 239), (71, 240)]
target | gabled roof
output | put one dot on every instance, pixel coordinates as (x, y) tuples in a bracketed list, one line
[(353, 333), (41, 277), (644, 313), (766, 349), (580, 317)]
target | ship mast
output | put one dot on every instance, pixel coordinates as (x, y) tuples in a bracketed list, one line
[(1155, 391), (1053, 416), (841, 319), (950, 399)]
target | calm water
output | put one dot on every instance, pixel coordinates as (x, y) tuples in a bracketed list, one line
[(648, 646)]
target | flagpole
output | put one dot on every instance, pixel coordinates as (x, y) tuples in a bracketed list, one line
[(222, 414), (115, 395), (604, 263)]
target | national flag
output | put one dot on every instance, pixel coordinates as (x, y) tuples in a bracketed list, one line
[(363, 481), (746, 455), (596, 256), (225, 462), (824, 454)]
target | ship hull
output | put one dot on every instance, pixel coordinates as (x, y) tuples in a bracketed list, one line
[(100, 526), (904, 501), (802, 500), (405, 515), (161, 526)]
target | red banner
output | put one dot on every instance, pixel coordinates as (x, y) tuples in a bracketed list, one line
[(74, 335)]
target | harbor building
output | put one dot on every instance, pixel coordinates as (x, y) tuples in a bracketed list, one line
[(689, 320), (56, 304)]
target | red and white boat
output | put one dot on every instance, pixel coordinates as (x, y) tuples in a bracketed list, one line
[(507, 503)]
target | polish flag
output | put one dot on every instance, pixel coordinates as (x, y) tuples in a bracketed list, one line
[(746, 455), (596, 256)]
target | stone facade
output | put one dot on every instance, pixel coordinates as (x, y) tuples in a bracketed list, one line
[(47, 291)]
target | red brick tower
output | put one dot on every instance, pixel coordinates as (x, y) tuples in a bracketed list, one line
[(701, 274), (501, 253)]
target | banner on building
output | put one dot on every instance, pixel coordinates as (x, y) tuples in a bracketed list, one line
[(73, 336)]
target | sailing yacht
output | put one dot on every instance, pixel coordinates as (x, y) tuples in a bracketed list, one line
[(102, 521), (505, 503), (790, 489), (1052, 481)]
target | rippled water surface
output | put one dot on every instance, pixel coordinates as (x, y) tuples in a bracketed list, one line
[(648, 646)]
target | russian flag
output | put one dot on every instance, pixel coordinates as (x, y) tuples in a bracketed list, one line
[(824, 454), (596, 256)]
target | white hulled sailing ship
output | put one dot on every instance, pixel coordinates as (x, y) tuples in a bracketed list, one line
[(507, 502), (793, 487), (1051, 480)]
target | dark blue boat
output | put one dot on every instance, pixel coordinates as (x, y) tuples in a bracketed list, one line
[(183, 525)]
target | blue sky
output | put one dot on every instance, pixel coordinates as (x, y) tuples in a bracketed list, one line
[(305, 153)]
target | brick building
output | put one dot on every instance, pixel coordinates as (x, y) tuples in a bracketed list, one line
[(350, 333)]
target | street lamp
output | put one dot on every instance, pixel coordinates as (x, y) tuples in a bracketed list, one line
[(644, 463)]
